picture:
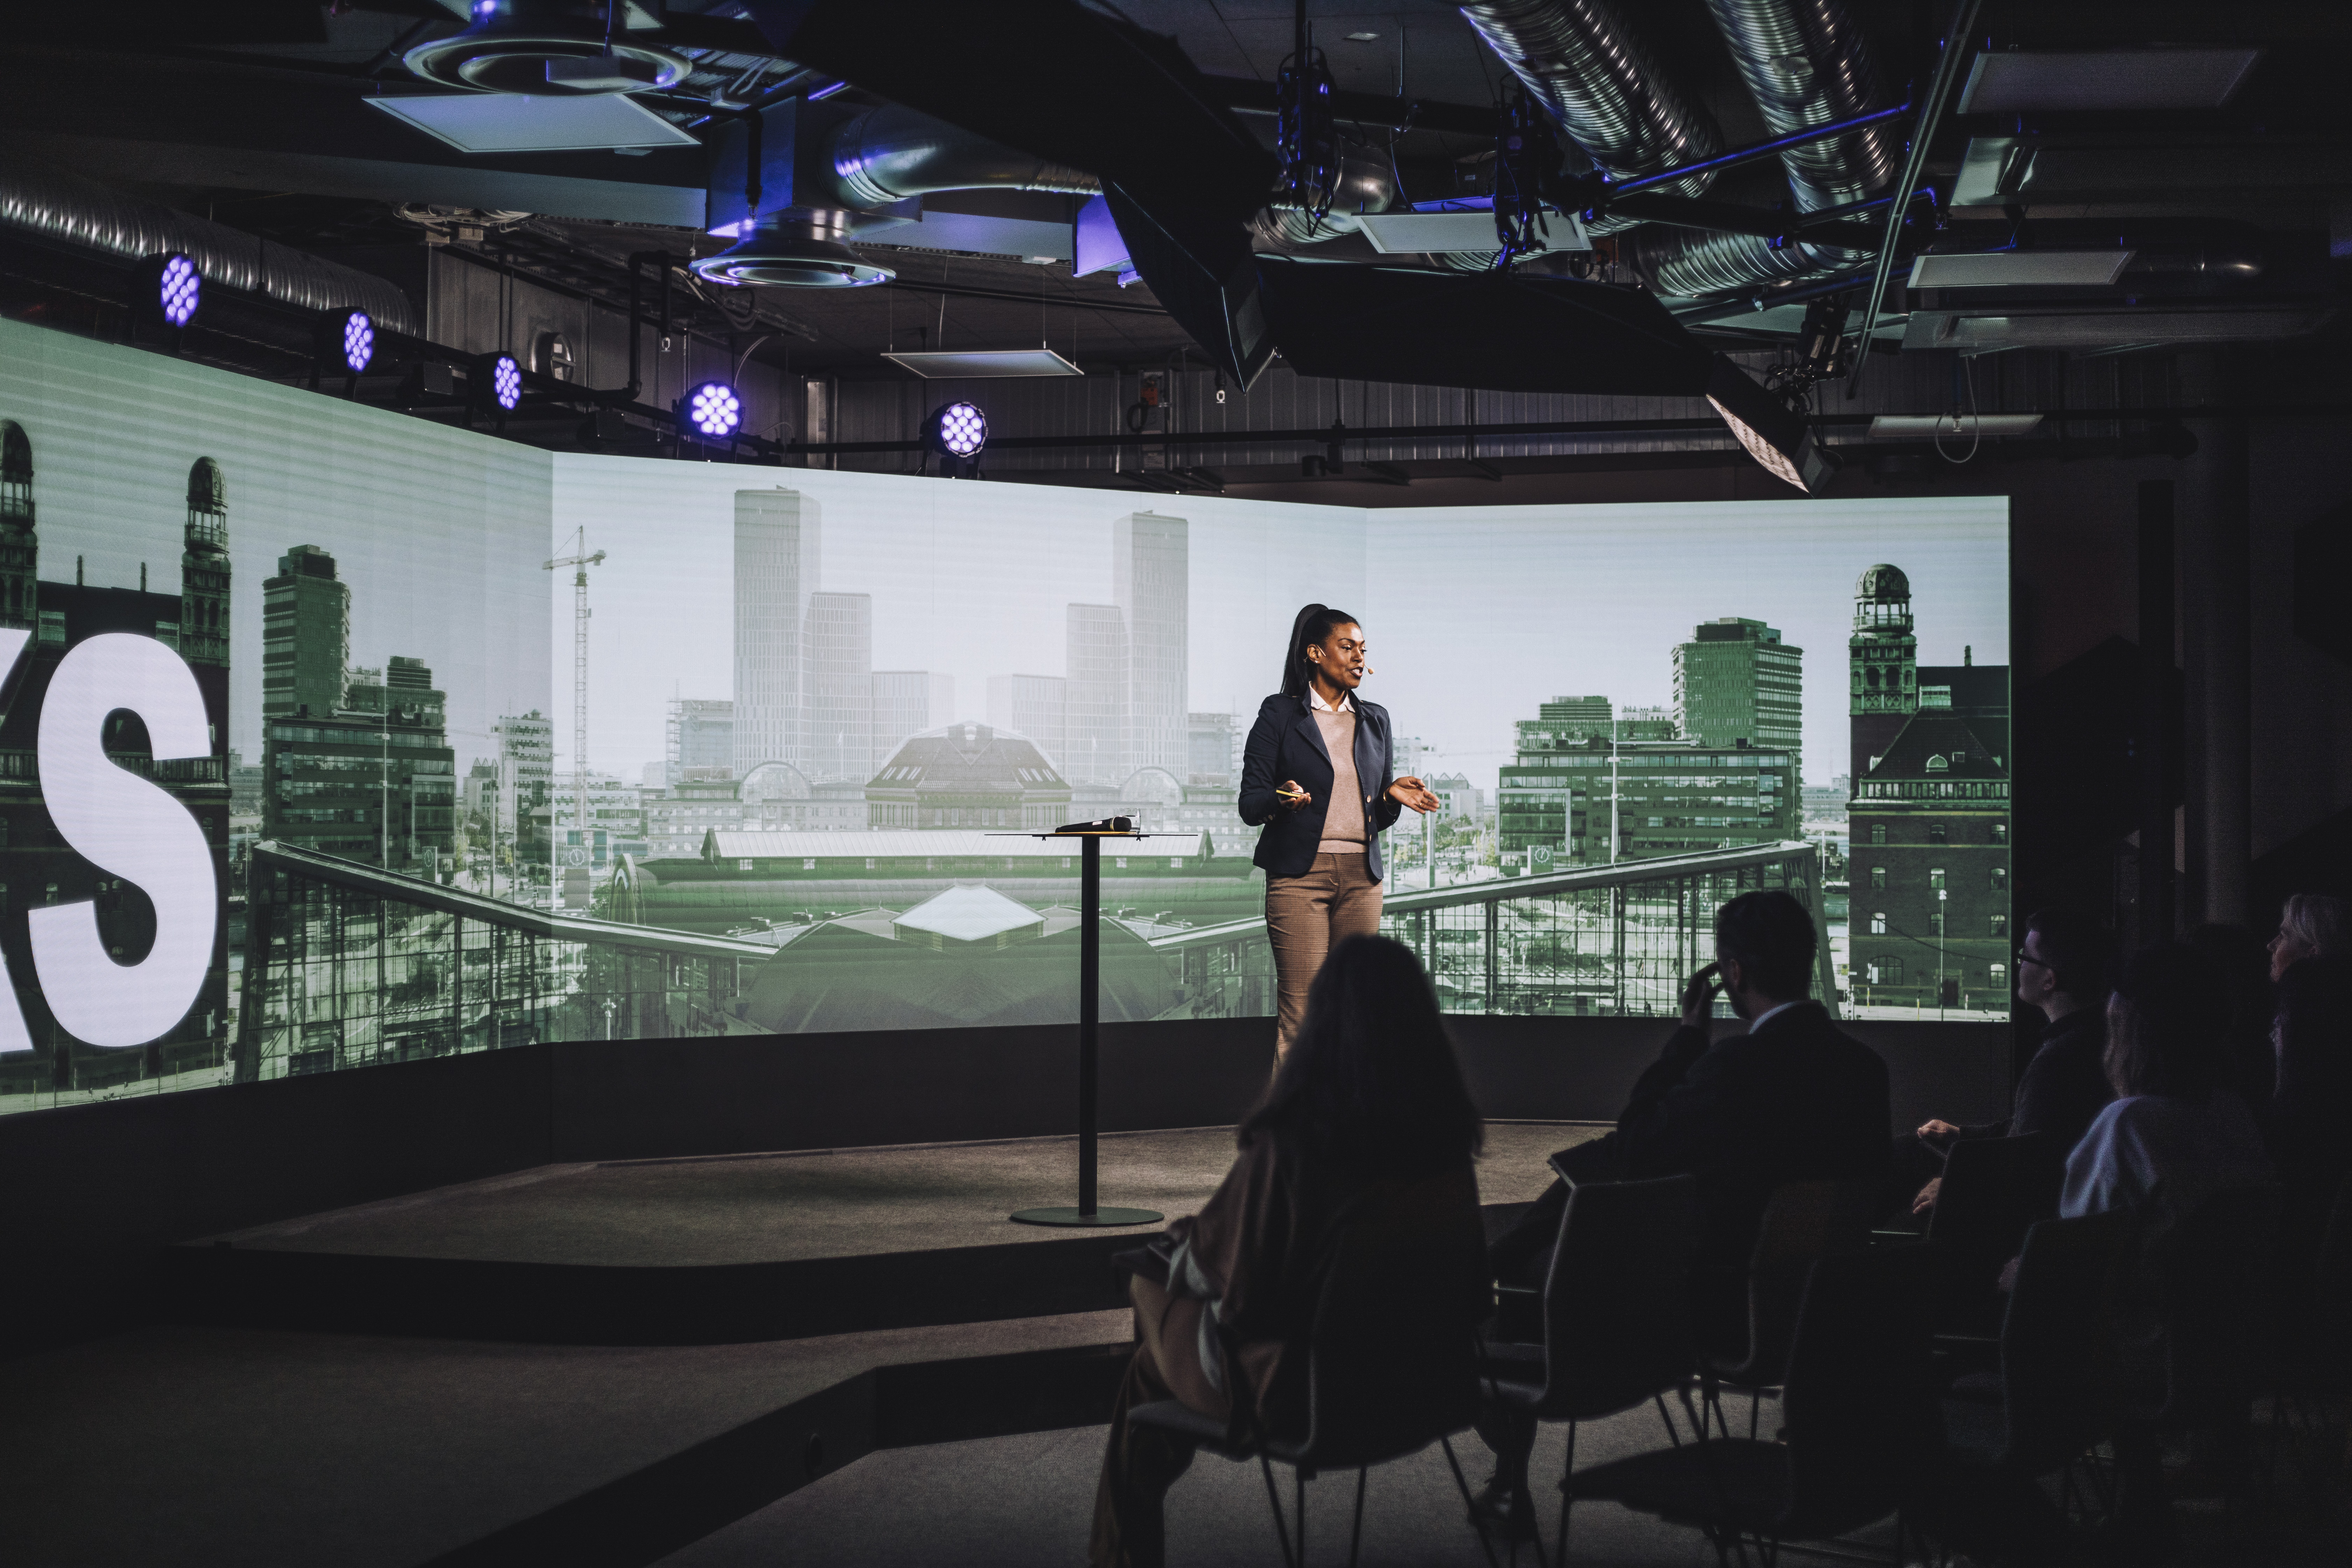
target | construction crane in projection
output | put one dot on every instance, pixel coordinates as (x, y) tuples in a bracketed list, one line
[(579, 561)]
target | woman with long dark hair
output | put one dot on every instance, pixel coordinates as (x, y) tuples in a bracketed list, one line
[(1369, 1104), (1316, 780)]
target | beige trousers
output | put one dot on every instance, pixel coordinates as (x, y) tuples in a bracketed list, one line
[(1305, 916)]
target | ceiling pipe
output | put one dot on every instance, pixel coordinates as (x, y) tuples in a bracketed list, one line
[(53, 204), (888, 155), (1807, 65), (1580, 60)]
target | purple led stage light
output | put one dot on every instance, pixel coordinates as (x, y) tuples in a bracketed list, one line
[(962, 429), (179, 290), (358, 340), (714, 412), (506, 382)]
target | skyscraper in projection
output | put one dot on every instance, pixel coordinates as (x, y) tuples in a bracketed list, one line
[(908, 702), (1736, 680), (1095, 723), (306, 635), (1149, 570), (840, 687), (1030, 705), (777, 565)]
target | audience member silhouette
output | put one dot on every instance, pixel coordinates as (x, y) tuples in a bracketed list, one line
[(2311, 1036), (2062, 965), (1791, 1100), (1369, 1104), (2174, 1135)]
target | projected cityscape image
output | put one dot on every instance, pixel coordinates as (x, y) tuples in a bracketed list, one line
[(756, 753)]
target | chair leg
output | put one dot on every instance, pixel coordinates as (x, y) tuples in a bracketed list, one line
[(1274, 1500), (1356, 1531), (1463, 1486), (1671, 1435), (1755, 1402), (1298, 1498), (1567, 1499)]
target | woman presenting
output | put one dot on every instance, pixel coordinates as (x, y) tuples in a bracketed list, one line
[(1315, 778)]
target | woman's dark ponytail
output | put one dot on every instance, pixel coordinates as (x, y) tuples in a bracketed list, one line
[(1310, 630)]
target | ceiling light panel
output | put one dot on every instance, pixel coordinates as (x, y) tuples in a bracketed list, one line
[(2019, 268), (2018, 81), (511, 122), (981, 364)]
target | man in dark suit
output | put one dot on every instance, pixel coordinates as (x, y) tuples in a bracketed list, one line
[(1791, 1100)]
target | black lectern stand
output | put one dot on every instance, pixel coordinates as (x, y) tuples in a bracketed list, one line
[(1090, 1039)]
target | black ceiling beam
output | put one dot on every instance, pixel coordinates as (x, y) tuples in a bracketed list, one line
[(1325, 436), (1959, 43)]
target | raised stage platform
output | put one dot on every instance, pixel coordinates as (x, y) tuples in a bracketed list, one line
[(731, 1248), (594, 1363)]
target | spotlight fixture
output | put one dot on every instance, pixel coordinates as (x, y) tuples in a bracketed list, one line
[(1774, 434), (712, 412), (957, 432), (502, 377), (358, 340), (179, 290)]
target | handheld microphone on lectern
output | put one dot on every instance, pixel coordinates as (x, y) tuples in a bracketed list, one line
[(1108, 825)]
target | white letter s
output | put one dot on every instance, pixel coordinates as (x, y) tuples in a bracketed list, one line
[(129, 827)]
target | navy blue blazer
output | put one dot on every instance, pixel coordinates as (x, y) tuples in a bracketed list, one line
[(1288, 744)]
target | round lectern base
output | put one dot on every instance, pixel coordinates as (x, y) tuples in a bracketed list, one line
[(1101, 1216)]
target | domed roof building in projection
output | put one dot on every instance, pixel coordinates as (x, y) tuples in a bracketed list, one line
[(967, 776)]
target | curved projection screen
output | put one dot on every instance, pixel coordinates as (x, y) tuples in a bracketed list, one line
[(335, 812)]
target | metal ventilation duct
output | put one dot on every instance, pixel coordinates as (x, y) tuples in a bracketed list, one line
[(1806, 64), (37, 200), (1580, 61), (889, 154)]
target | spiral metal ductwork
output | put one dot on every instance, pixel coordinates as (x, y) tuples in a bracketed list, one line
[(1580, 61), (889, 154), (37, 200), (1806, 64)]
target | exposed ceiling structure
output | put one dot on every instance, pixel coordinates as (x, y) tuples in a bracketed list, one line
[(1141, 183)]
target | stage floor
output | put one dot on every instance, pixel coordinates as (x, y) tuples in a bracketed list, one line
[(842, 1202)]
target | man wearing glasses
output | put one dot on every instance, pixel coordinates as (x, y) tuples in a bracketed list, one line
[(2062, 969)]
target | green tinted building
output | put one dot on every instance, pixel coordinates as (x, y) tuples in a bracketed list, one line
[(1736, 681)]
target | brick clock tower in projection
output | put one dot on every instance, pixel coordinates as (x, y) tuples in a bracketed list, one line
[(1883, 657), (1929, 819)]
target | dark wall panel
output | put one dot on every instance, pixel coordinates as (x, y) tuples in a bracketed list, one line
[(650, 1098), (93, 1189)]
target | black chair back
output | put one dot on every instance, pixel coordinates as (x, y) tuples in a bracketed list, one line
[(1803, 1222), (1393, 1359), (1617, 1300), (2214, 1282), (1859, 1416), (1993, 1190), (2057, 1360)]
